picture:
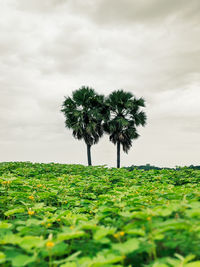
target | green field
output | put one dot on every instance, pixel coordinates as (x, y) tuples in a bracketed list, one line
[(71, 215)]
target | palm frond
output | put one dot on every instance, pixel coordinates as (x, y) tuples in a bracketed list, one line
[(124, 116)]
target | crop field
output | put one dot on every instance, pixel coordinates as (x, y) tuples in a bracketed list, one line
[(71, 216)]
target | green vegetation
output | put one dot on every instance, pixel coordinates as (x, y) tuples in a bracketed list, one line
[(71, 215), (89, 115), (148, 167)]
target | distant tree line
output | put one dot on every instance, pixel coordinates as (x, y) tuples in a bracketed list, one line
[(148, 167), (89, 115)]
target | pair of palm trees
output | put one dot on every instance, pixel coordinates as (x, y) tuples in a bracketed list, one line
[(89, 115)]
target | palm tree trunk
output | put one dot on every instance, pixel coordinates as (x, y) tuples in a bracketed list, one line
[(118, 154), (89, 155)]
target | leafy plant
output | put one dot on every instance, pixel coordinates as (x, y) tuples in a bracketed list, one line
[(71, 215)]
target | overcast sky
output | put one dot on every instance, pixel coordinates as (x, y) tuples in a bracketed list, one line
[(148, 47)]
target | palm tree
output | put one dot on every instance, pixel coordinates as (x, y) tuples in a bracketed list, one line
[(84, 112), (124, 116)]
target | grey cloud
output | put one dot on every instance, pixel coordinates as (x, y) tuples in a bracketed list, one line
[(140, 11), (177, 111), (49, 48), (117, 12), (67, 50)]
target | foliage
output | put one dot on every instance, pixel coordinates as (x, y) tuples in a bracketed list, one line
[(84, 113), (71, 215), (124, 116), (148, 167)]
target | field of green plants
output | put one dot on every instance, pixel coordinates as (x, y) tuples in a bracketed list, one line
[(71, 215)]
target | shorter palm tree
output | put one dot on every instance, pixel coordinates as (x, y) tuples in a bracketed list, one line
[(124, 116), (84, 112)]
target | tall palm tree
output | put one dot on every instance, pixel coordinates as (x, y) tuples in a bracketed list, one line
[(124, 116), (84, 112)]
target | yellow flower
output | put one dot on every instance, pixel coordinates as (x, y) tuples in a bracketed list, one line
[(116, 235), (39, 185), (48, 224), (71, 227), (122, 233), (31, 212), (31, 197), (50, 244), (6, 182), (58, 220), (148, 218)]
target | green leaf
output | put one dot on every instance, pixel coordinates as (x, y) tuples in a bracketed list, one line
[(102, 260), (104, 240), (88, 226), (139, 232), (13, 211), (127, 247), (193, 264), (104, 231), (22, 260), (38, 206), (5, 225), (69, 264), (2, 257), (11, 239), (29, 242), (33, 221), (70, 235), (164, 212), (160, 265), (193, 212), (60, 249)]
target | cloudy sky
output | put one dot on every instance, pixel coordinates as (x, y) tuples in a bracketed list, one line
[(50, 48)]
